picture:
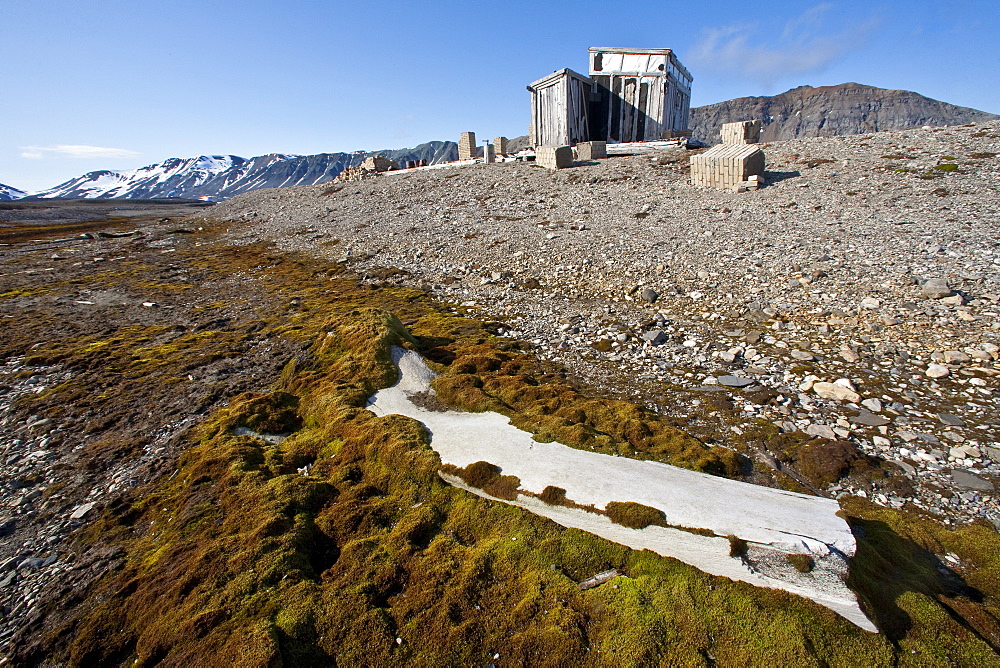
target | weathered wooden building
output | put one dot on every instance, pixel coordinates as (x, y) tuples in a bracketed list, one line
[(560, 104), (631, 95)]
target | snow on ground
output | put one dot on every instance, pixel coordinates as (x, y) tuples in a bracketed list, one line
[(775, 522)]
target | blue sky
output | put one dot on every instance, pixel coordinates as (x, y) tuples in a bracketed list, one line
[(116, 84)]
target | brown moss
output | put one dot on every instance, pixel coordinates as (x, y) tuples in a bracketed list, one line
[(634, 515), (803, 563), (478, 474), (487, 477), (737, 546), (554, 496), (503, 487), (825, 462)]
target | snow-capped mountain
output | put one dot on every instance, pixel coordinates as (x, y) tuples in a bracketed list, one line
[(7, 193), (173, 174), (222, 176)]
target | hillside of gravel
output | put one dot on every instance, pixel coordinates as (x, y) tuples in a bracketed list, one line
[(854, 299)]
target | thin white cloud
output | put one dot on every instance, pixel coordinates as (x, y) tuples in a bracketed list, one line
[(803, 45), (76, 151)]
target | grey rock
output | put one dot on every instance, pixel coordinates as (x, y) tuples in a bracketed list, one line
[(968, 480), (656, 337), (821, 430), (649, 295), (33, 563), (870, 419), (40, 424), (848, 355), (735, 381), (951, 420), (835, 392), (935, 288), (80, 511), (937, 371), (599, 579)]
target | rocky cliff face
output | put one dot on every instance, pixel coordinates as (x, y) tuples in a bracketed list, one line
[(826, 111)]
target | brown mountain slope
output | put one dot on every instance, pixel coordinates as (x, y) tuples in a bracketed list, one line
[(849, 108)]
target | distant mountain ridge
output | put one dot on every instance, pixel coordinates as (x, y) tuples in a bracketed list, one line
[(9, 193), (223, 176), (848, 108)]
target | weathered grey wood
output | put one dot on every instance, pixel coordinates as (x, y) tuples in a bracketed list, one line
[(560, 114), (638, 95)]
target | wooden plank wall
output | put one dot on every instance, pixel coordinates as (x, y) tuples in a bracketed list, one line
[(578, 124), (560, 112), (549, 114)]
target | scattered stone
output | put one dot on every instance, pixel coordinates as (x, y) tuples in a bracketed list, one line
[(655, 337), (870, 419), (599, 579), (803, 356), (935, 288), (835, 392), (967, 480), (848, 355), (821, 430), (954, 300), (937, 371), (40, 424), (951, 420), (649, 295), (81, 511), (874, 405), (735, 381), (870, 303)]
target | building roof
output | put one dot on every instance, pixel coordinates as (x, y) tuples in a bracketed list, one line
[(558, 74)]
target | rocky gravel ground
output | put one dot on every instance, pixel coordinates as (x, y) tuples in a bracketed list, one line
[(855, 298)]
